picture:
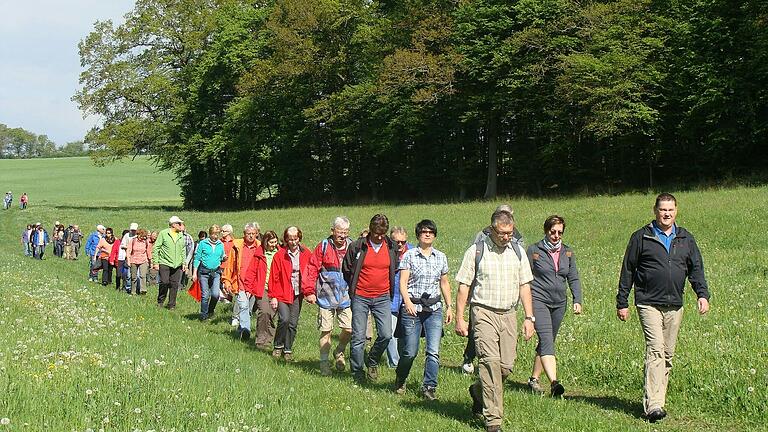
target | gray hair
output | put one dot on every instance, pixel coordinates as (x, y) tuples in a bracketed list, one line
[(252, 225), (226, 227), (399, 230), (505, 208), (340, 222), (502, 217)]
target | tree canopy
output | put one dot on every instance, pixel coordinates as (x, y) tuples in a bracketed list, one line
[(314, 100)]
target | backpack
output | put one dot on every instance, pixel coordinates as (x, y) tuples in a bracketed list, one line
[(331, 289)]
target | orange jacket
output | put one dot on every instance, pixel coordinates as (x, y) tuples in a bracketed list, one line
[(230, 268)]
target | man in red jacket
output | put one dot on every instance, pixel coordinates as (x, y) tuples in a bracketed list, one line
[(324, 285)]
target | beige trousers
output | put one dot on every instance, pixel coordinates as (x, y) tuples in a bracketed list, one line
[(496, 343), (660, 326)]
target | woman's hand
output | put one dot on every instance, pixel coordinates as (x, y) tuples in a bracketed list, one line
[(410, 308), (577, 308)]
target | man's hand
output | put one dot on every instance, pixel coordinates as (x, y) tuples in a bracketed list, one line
[(623, 314), (448, 315), (273, 303), (577, 308), (703, 306), (410, 308), (462, 328), (528, 329), (311, 299)]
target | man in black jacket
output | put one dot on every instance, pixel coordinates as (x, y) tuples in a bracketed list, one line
[(658, 259)]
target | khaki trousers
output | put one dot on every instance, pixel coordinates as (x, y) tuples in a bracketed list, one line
[(496, 344), (661, 325)]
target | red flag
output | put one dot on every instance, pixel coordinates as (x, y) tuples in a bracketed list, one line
[(195, 291)]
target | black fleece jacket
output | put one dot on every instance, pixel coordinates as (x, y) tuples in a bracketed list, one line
[(657, 275)]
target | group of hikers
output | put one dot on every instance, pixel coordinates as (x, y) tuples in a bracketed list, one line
[(8, 200), (66, 241), (405, 289)]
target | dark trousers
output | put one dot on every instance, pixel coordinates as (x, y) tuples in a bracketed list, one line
[(170, 281), (287, 322), (469, 351), (106, 271), (265, 321)]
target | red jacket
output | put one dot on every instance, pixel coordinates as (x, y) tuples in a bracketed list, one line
[(280, 286), (255, 276), (115, 250)]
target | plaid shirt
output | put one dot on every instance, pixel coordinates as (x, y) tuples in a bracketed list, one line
[(426, 272), (499, 276)]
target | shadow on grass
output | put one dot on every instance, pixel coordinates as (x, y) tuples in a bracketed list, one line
[(612, 403), (121, 207), (459, 411)]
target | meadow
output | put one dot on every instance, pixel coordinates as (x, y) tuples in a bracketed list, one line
[(76, 356)]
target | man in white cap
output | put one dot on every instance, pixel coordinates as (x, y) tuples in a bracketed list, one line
[(168, 258), (122, 270)]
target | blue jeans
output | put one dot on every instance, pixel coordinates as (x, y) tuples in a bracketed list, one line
[(28, 249), (432, 323), (210, 287), (39, 251), (380, 308), (245, 304), (392, 355)]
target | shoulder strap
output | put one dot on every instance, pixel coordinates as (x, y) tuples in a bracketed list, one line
[(479, 249)]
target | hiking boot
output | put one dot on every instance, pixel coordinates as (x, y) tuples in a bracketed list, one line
[(325, 368), (288, 357), (245, 335), (477, 401), (494, 428), (429, 393), (535, 385), (341, 363), (277, 353), (556, 389), (468, 368), (373, 373), (399, 388), (656, 414)]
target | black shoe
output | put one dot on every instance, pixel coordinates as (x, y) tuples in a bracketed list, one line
[(477, 402), (373, 373), (245, 334), (656, 414), (556, 389)]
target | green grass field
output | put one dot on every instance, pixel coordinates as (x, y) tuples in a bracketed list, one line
[(77, 356)]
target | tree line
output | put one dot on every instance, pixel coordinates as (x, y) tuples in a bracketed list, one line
[(18, 143), (316, 100)]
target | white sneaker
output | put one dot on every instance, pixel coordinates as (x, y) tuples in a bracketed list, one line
[(235, 322), (468, 368)]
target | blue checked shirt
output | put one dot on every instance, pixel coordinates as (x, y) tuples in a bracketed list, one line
[(426, 272)]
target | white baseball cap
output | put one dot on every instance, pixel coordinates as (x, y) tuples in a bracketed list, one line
[(134, 226), (174, 219)]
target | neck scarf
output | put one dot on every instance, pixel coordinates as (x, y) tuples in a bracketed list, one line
[(552, 247)]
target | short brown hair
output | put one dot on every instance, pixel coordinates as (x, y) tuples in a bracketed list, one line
[(664, 197), (379, 223), (552, 221)]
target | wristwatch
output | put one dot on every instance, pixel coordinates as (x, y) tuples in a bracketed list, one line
[(531, 318)]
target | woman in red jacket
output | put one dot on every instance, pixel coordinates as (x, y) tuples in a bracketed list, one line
[(285, 290)]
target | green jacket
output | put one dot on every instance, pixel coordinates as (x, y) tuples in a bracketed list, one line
[(167, 251)]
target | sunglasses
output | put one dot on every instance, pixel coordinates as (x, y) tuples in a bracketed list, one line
[(555, 232)]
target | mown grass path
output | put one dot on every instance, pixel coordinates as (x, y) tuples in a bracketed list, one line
[(77, 356)]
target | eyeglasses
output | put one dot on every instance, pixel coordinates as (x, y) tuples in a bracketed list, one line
[(401, 242), (503, 233), (427, 232)]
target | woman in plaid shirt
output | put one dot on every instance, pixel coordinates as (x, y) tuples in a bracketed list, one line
[(423, 278)]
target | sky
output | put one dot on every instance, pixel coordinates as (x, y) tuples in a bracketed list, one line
[(40, 63)]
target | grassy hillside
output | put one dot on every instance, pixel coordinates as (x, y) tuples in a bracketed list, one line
[(75, 356), (76, 181)]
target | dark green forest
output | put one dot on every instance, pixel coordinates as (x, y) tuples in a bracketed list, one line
[(303, 101)]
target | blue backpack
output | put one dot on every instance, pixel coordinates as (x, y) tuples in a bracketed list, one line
[(331, 289)]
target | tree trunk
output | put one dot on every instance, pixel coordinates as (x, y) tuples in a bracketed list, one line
[(493, 159)]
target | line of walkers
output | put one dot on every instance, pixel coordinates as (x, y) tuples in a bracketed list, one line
[(405, 289), (66, 241)]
